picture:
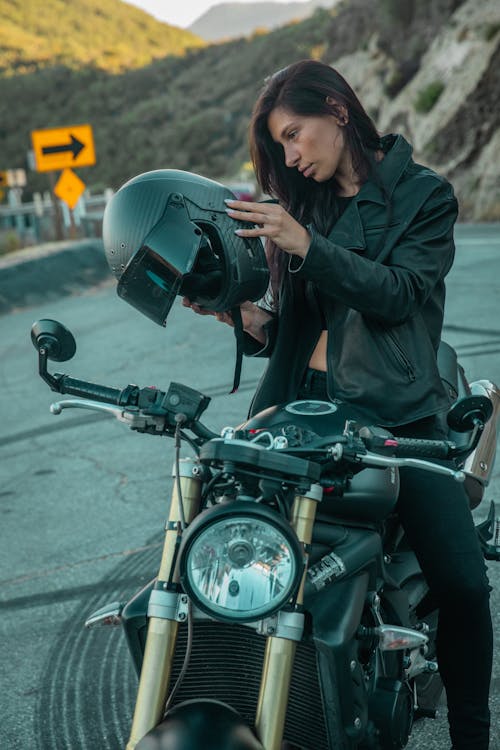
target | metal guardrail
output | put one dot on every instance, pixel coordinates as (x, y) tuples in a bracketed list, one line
[(36, 221)]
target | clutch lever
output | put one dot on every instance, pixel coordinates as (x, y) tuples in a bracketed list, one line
[(374, 459)]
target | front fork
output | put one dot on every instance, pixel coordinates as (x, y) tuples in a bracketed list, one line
[(280, 650), (162, 630)]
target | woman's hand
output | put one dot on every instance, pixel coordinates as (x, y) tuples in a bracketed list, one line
[(222, 317), (253, 317), (272, 221)]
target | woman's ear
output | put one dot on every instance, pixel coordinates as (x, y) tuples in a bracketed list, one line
[(339, 111)]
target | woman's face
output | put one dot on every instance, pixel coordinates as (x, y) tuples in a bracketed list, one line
[(315, 145)]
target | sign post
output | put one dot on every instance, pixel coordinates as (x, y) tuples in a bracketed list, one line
[(61, 149)]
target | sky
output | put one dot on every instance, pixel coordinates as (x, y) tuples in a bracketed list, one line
[(179, 13)]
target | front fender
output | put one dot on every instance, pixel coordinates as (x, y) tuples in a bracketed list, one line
[(201, 725)]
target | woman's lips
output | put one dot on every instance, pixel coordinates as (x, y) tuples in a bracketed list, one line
[(308, 171)]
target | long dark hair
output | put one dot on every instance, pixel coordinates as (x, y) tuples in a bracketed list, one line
[(307, 87)]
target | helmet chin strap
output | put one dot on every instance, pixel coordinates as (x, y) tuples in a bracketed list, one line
[(239, 335)]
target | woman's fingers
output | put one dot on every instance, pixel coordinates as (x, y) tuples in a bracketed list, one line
[(268, 218), (273, 222), (223, 317), (196, 308), (256, 213), (248, 205), (253, 217)]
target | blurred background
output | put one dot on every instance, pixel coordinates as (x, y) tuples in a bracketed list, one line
[(175, 90)]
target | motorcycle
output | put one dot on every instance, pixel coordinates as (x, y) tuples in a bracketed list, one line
[(288, 610)]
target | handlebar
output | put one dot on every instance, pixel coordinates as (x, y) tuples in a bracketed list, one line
[(143, 409), (339, 448), (158, 412), (84, 389), (411, 447), (383, 442)]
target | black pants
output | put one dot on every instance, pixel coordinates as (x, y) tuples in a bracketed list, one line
[(434, 511)]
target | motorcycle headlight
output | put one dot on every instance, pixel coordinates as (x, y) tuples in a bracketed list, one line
[(240, 562)]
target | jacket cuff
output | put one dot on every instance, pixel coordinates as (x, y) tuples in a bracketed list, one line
[(321, 257), (295, 262), (254, 348)]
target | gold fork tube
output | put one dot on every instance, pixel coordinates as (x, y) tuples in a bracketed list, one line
[(155, 678), (191, 491), (274, 689), (303, 517), (162, 633), (280, 652)]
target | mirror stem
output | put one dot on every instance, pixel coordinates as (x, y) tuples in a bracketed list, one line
[(474, 439), (44, 374)]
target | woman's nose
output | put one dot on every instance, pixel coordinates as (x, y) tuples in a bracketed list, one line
[(292, 156)]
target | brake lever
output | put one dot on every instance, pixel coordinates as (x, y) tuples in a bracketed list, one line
[(131, 417)]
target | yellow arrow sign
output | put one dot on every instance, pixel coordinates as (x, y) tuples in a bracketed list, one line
[(58, 148)]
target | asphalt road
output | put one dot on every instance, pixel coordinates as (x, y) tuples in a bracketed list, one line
[(83, 500)]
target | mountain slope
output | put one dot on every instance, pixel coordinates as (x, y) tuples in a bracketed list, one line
[(107, 34)]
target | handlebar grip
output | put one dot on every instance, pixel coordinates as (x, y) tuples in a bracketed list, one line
[(413, 448), (84, 389)]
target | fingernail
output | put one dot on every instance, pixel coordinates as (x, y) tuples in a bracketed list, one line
[(239, 232), (229, 211), (229, 200)]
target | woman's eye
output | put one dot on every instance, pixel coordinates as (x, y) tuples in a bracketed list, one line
[(292, 134)]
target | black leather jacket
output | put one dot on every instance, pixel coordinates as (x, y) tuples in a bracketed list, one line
[(383, 305)]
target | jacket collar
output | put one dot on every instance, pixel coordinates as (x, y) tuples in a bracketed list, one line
[(397, 155), (348, 230)]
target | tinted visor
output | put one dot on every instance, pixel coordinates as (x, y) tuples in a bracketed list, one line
[(154, 274)]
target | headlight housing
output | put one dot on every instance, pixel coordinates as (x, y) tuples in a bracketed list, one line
[(240, 561)]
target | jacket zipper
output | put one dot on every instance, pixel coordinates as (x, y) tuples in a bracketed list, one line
[(401, 356)]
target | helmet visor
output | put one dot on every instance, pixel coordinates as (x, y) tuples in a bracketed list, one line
[(154, 274)]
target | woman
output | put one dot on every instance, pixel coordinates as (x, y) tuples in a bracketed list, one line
[(359, 240)]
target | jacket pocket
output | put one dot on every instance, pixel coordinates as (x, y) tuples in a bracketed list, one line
[(380, 227), (398, 353)]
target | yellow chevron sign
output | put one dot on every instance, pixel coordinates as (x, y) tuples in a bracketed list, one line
[(58, 148)]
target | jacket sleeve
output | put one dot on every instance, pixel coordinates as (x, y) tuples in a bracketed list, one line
[(254, 348), (393, 290)]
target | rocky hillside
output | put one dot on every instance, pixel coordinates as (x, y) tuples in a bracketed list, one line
[(449, 109)]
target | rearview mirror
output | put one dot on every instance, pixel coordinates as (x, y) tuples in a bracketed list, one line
[(468, 411), (55, 338)]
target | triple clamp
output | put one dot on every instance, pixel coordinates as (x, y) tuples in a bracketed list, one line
[(284, 624), (168, 605)]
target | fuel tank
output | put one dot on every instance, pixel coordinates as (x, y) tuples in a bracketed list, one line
[(319, 417)]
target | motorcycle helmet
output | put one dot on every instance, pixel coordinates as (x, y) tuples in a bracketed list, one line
[(166, 232)]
